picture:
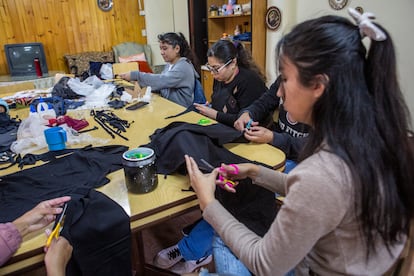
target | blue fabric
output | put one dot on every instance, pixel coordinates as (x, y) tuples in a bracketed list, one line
[(198, 243), (199, 96), (289, 165), (227, 263)]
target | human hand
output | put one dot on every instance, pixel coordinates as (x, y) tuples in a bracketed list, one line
[(241, 122), (125, 76), (244, 170), (258, 134), (205, 110), (40, 216), (203, 184), (57, 256)]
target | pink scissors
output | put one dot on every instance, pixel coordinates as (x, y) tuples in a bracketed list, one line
[(227, 182)]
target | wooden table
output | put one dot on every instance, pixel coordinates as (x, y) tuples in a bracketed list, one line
[(145, 210)]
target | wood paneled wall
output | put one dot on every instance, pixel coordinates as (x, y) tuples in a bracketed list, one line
[(68, 27)]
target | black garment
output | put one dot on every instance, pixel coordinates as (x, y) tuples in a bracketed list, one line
[(84, 168), (229, 98), (178, 138), (252, 205), (100, 233), (96, 226), (8, 131)]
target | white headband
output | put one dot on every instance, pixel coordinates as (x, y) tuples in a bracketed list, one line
[(366, 27)]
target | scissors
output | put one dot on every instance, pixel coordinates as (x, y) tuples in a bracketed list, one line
[(227, 182), (58, 227)]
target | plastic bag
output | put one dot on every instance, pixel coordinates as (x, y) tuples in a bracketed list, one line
[(30, 136), (106, 71), (80, 88)]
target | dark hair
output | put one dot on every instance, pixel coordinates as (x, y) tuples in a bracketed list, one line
[(363, 118), (175, 39), (225, 50)]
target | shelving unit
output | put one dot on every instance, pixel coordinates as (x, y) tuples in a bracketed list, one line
[(253, 22)]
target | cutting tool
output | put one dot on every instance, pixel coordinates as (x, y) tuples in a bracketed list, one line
[(227, 182), (58, 227)]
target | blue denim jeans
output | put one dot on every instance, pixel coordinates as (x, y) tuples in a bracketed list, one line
[(198, 243), (225, 261)]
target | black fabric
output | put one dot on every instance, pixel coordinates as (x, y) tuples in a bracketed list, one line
[(8, 131), (62, 89), (252, 205), (99, 231), (188, 109), (96, 226), (84, 168), (178, 138)]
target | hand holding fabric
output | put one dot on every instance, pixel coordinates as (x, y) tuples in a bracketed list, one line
[(241, 122), (205, 110), (258, 134), (203, 184), (40, 216)]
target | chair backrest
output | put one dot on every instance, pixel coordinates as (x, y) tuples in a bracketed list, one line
[(199, 96), (132, 48)]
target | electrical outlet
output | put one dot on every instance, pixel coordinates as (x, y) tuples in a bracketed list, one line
[(141, 12), (144, 32)]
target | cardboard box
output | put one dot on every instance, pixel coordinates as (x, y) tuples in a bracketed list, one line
[(120, 68)]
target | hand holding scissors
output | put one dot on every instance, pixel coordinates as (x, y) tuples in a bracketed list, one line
[(58, 227), (226, 182)]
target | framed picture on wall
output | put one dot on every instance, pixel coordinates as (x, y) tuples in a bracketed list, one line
[(105, 5), (273, 18)]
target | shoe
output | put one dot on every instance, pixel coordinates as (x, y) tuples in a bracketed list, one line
[(168, 257), (189, 266), (186, 230)]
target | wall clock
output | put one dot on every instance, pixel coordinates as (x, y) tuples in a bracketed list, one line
[(338, 4), (105, 5)]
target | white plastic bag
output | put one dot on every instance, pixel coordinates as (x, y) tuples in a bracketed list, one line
[(30, 136), (80, 88), (106, 71)]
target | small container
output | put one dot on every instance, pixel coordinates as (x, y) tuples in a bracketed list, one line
[(55, 138), (140, 170)]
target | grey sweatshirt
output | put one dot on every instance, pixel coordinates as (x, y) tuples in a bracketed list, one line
[(176, 81), (316, 228)]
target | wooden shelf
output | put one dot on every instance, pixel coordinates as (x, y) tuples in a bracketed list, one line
[(250, 22), (215, 40), (229, 16)]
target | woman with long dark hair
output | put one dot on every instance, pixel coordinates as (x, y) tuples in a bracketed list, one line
[(238, 81), (176, 82), (348, 202)]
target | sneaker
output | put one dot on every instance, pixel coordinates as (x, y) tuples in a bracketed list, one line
[(187, 229), (189, 266), (168, 257)]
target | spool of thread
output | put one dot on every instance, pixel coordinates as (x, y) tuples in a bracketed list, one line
[(36, 62)]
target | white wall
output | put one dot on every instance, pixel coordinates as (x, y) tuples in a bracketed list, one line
[(164, 16), (396, 17)]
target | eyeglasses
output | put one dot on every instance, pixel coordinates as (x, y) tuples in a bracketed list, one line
[(217, 70)]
